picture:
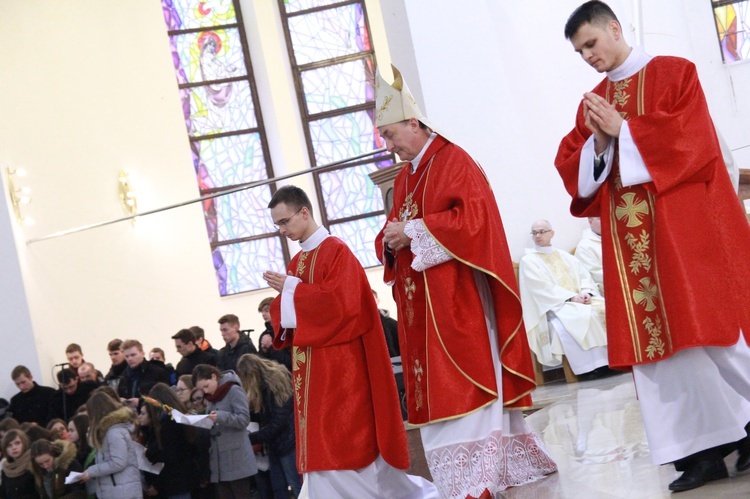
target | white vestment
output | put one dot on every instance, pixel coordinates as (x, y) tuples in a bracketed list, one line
[(555, 326), (589, 253), (489, 449)]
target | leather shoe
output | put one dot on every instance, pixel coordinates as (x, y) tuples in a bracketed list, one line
[(699, 473), (743, 448)]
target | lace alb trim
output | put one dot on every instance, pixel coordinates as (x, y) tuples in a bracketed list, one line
[(427, 252), (493, 464)]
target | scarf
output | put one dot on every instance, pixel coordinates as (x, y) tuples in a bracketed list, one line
[(220, 392), (17, 467)]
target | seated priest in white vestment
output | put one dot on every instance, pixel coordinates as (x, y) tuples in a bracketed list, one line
[(589, 252), (562, 307)]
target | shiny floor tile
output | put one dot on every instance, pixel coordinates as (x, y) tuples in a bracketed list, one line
[(594, 431)]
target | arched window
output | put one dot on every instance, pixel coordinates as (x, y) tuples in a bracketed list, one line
[(333, 63), (227, 138)]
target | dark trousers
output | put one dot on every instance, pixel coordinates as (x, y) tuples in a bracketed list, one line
[(236, 489)]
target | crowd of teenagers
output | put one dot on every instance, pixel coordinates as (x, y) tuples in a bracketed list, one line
[(115, 435)]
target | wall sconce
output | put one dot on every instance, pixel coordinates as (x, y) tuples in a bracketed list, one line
[(126, 190), (19, 195)]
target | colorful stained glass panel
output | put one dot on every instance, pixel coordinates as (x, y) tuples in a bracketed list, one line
[(342, 137), (208, 55), (350, 192), (338, 86), (328, 33), (191, 14), (240, 266), (244, 214), (733, 27), (360, 236), (297, 5), (233, 160), (225, 107)]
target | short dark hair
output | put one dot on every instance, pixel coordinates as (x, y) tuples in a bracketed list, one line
[(73, 347), (185, 336), (293, 197), (66, 374), (114, 345), (230, 318), (20, 371), (198, 331), (266, 302), (593, 12)]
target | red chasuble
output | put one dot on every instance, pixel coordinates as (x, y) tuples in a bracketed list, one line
[(346, 401), (448, 367), (675, 250)]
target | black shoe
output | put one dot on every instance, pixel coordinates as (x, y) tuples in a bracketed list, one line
[(698, 474), (743, 448)]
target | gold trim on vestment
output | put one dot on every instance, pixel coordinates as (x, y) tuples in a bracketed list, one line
[(456, 416), (440, 338), (502, 282), (633, 224), (303, 359)]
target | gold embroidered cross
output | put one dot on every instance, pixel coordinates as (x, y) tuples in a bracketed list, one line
[(410, 288), (632, 209), (646, 294), (418, 370)]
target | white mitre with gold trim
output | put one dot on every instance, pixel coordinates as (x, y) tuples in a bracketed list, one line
[(394, 103)]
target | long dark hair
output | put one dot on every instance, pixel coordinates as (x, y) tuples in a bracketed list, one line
[(164, 394), (81, 422)]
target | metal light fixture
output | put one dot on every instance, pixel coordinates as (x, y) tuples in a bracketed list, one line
[(19, 195), (127, 193)]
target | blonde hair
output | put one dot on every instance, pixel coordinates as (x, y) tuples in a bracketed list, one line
[(254, 370)]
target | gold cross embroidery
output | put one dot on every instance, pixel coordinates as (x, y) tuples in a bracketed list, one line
[(646, 294), (632, 209)]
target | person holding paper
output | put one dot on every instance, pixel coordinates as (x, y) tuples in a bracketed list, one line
[(231, 457), (115, 474), (170, 443), (51, 462)]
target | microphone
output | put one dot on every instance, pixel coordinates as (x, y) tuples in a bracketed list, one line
[(63, 364)]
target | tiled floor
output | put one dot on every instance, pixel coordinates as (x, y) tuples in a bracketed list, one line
[(594, 432)]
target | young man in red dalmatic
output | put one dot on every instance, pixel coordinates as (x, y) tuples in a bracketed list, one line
[(467, 365), (645, 157), (350, 437)]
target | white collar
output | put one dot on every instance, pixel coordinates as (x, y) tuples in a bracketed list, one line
[(633, 63), (418, 158), (547, 250), (315, 239), (590, 234)]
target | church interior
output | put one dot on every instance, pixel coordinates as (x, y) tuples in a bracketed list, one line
[(123, 158)]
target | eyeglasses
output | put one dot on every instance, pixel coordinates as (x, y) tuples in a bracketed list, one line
[(180, 390), (540, 232), (285, 221)]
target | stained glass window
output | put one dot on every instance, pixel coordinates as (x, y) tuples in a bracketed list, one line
[(227, 139), (333, 65), (733, 28)]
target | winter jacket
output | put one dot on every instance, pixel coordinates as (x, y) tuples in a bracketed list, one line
[(139, 381), (179, 455), (227, 358), (115, 474), (64, 464), (276, 425), (231, 455)]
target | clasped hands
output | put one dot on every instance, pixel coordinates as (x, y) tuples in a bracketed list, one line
[(602, 119), (584, 298), (275, 279), (394, 236)]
